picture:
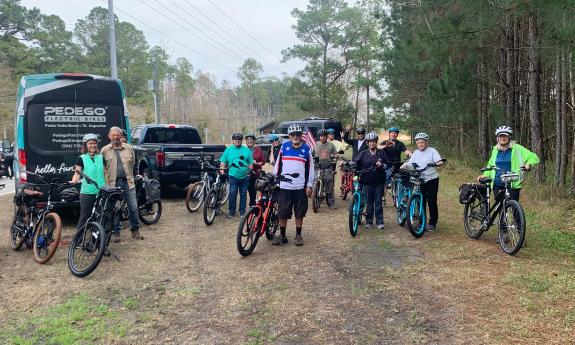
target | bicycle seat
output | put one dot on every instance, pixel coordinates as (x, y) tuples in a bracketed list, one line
[(485, 180)]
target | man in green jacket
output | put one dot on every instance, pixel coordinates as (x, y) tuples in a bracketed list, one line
[(508, 156)]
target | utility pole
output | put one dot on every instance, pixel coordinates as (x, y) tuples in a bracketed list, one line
[(113, 62), (155, 90)]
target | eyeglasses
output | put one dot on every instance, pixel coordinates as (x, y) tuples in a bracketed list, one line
[(296, 134)]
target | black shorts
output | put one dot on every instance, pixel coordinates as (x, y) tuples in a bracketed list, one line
[(292, 199)]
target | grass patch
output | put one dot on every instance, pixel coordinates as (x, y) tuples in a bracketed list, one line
[(131, 303), (191, 291), (257, 336), (385, 245), (77, 320)]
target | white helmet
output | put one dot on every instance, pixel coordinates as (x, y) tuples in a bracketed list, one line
[(371, 136), (422, 135), (503, 130), (90, 136), (294, 128)]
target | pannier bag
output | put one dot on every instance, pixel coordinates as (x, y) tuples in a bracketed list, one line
[(153, 190), (468, 192)]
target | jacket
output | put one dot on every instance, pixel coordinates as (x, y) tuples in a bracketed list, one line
[(520, 156)]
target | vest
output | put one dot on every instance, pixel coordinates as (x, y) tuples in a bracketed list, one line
[(94, 169)]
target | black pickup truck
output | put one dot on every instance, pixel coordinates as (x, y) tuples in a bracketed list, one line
[(168, 153)]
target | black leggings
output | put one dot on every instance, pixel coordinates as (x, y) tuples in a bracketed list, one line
[(429, 190), (86, 205)]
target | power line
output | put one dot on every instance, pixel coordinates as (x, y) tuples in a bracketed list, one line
[(245, 48), (172, 39), (244, 30), (186, 29)]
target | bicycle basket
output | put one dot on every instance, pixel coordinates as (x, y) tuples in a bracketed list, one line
[(153, 190), (262, 184), (466, 193)]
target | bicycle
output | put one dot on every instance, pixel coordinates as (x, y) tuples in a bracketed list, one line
[(149, 211), (479, 216), (346, 178), (417, 219), (403, 191), (216, 197), (395, 184), (357, 206), (37, 228), (262, 218), (92, 242), (318, 194), (198, 191)]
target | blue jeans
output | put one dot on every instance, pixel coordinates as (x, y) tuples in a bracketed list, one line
[(130, 199), (388, 174), (241, 186), (374, 193)]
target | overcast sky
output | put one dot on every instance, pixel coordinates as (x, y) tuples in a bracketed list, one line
[(268, 21)]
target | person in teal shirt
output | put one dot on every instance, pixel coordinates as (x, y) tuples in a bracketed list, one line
[(238, 159), (91, 163)]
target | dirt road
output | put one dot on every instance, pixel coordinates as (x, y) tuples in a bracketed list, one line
[(187, 284)]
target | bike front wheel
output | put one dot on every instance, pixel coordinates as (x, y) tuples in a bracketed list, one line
[(273, 221), (248, 231), (416, 221), (226, 193), (401, 211), (17, 229), (511, 227), (150, 213), (316, 197), (195, 196), (474, 218), (210, 207), (47, 237), (86, 249), (354, 216)]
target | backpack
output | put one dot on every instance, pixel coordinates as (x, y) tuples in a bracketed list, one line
[(153, 190)]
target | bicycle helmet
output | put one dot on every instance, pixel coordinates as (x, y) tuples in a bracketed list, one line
[(323, 132), (294, 128), (237, 136), (273, 137), (90, 136), (422, 135), (371, 136), (331, 131), (505, 130), (393, 129), (70, 194), (360, 130), (251, 135)]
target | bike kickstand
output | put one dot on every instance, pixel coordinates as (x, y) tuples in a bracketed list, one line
[(110, 253)]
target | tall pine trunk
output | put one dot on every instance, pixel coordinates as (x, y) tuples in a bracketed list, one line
[(534, 101), (558, 99), (563, 165), (572, 94)]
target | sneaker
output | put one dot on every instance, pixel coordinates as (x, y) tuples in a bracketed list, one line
[(277, 240), (298, 240), (136, 235), (368, 226), (431, 228), (380, 226), (333, 207), (229, 215), (284, 240), (116, 237)]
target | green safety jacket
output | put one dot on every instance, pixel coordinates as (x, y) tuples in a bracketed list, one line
[(520, 156)]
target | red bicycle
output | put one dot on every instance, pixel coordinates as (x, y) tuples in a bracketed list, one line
[(347, 171), (263, 216)]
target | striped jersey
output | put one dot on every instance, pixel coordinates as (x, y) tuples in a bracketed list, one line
[(295, 160)]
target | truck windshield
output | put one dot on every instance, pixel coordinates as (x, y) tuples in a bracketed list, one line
[(172, 136)]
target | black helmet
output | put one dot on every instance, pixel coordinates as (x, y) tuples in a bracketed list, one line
[(251, 135), (238, 136), (70, 194), (360, 130), (323, 132)]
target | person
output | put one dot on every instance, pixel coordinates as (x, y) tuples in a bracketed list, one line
[(372, 180), (508, 156), (124, 136), (423, 156), (238, 158), (9, 161), (275, 151), (393, 149), (358, 144), (324, 151), (294, 158), (339, 146), (258, 162), (90, 163), (120, 168)]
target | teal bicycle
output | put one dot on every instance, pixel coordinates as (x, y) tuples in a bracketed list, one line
[(356, 208), (403, 192), (417, 220)]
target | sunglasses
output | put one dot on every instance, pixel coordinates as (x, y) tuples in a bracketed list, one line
[(296, 134)]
